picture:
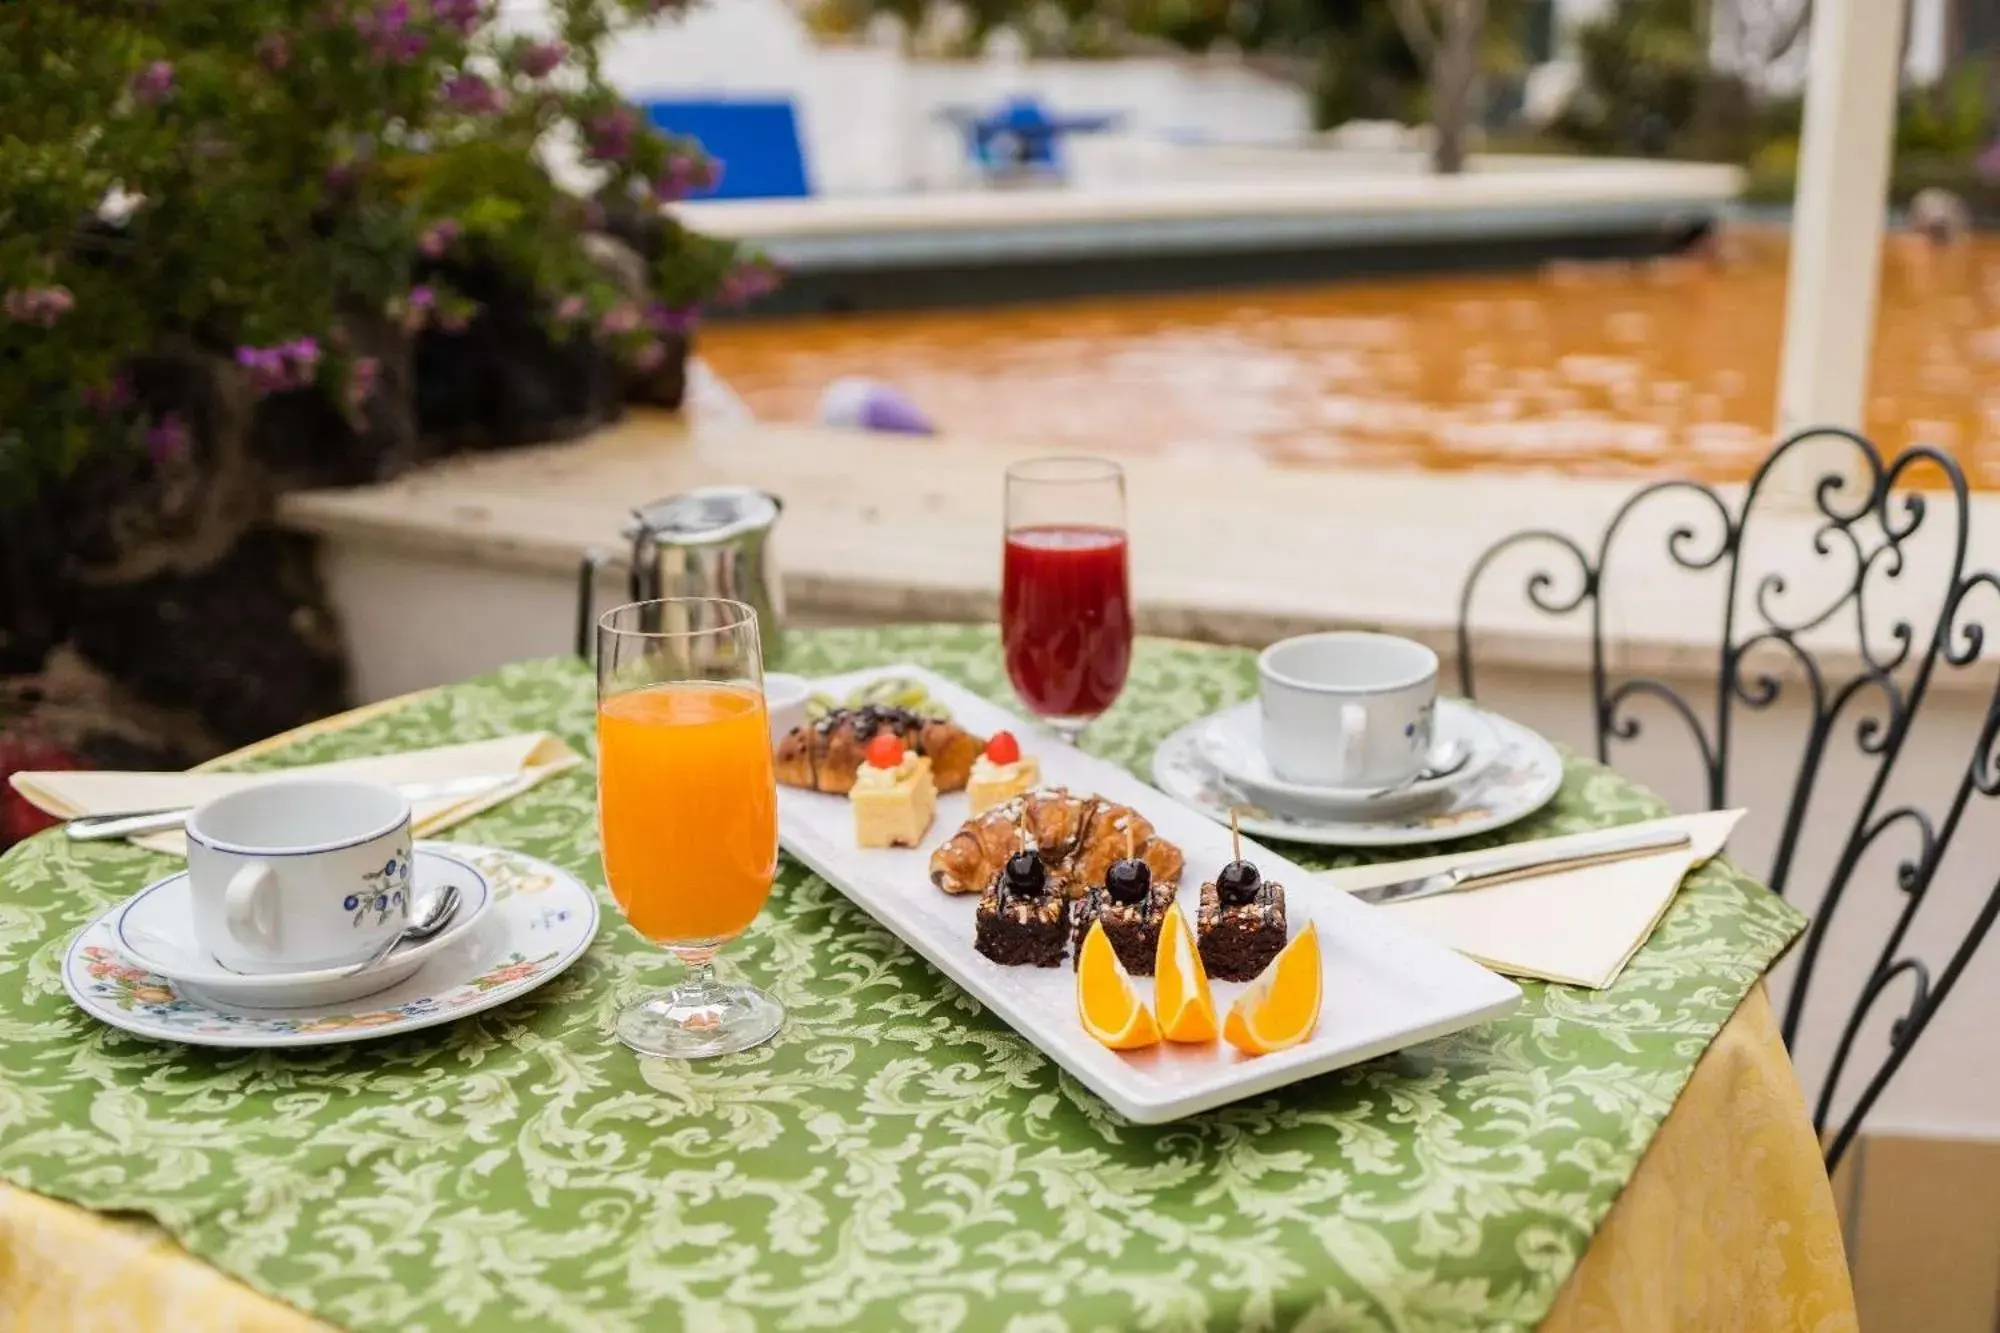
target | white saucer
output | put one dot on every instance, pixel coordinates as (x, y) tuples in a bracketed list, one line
[(1233, 741), (155, 930), (1523, 776), (540, 920)]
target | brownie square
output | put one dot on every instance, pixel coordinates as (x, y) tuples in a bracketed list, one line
[(1019, 930), (1132, 928), (1239, 940)]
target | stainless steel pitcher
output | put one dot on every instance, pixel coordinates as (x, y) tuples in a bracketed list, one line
[(712, 542)]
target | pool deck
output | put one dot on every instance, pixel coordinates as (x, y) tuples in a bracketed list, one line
[(879, 528), (1295, 198)]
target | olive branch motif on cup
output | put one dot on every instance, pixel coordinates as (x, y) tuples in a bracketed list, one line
[(388, 890)]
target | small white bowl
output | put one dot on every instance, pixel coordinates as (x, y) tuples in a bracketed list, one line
[(785, 698)]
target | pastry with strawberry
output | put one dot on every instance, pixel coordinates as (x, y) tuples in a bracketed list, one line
[(826, 755), (1001, 773), (893, 794)]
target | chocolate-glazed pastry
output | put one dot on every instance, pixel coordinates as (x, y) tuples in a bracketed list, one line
[(825, 755), (1020, 921), (1241, 923), (1077, 837), (1132, 905)]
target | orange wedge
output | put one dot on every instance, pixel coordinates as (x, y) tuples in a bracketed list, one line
[(1281, 1007), (1106, 1000), (1180, 983)]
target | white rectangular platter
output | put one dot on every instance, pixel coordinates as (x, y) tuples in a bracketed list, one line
[(1385, 987)]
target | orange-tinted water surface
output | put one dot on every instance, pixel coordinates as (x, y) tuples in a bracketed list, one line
[(1667, 368)]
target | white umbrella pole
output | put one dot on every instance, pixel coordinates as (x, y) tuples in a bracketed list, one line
[(1837, 223)]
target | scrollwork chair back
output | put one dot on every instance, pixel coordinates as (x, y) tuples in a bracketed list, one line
[(1850, 665)]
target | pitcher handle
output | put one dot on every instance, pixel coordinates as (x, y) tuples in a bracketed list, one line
[(586, 600), (642, 582)]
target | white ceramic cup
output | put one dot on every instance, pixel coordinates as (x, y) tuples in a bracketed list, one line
[(1347, 709), (295, 875)]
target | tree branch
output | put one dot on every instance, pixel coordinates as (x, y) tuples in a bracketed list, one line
[(1789, 38), (1416, 28)]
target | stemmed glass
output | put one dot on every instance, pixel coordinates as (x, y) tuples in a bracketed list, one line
[(687, 809), (1066, 590)]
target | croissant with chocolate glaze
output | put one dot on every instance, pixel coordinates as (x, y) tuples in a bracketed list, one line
[(825, 755), (1077, 837)]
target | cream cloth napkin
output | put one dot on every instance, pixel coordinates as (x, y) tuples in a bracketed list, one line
[(530, 756), (1577, 927)]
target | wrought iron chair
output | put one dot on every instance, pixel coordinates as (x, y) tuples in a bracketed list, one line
[(1866, 525)]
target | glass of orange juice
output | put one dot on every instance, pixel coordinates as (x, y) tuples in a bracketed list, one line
[(687, 810)]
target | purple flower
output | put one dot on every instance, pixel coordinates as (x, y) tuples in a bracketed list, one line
[(537, 60), (37, 305), (302, 355), (437, 238), (388, 19), (687, 174), (609, 135), (386, 29), (747, 282), (649, 358), (1987, 164), (114, 395), (461, 16), (289, 365), (362, 378), (670, 318), (166, 438), (264, 367), (471, 94), (155, 83), (570, 309), (417, 307), (274, 51), (621, 318)]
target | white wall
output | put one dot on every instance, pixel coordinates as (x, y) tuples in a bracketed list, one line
[(869, 117)]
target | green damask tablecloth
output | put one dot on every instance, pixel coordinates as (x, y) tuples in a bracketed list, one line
[(897, 1157)]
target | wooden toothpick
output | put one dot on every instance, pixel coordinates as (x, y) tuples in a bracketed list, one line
[(1235, 837)]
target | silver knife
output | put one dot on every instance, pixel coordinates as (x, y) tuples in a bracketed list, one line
[(1526, 863), (92, 828)]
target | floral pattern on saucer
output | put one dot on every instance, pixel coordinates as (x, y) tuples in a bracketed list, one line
[(541, 921), (137, 991), (1521, 779)]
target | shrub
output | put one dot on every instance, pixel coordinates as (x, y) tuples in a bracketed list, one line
[(261, 180)]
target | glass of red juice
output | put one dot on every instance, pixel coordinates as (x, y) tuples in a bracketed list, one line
[(1066, 589)]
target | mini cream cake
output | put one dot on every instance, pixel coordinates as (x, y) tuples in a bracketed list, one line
[(1001, 774), (893, 806)]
